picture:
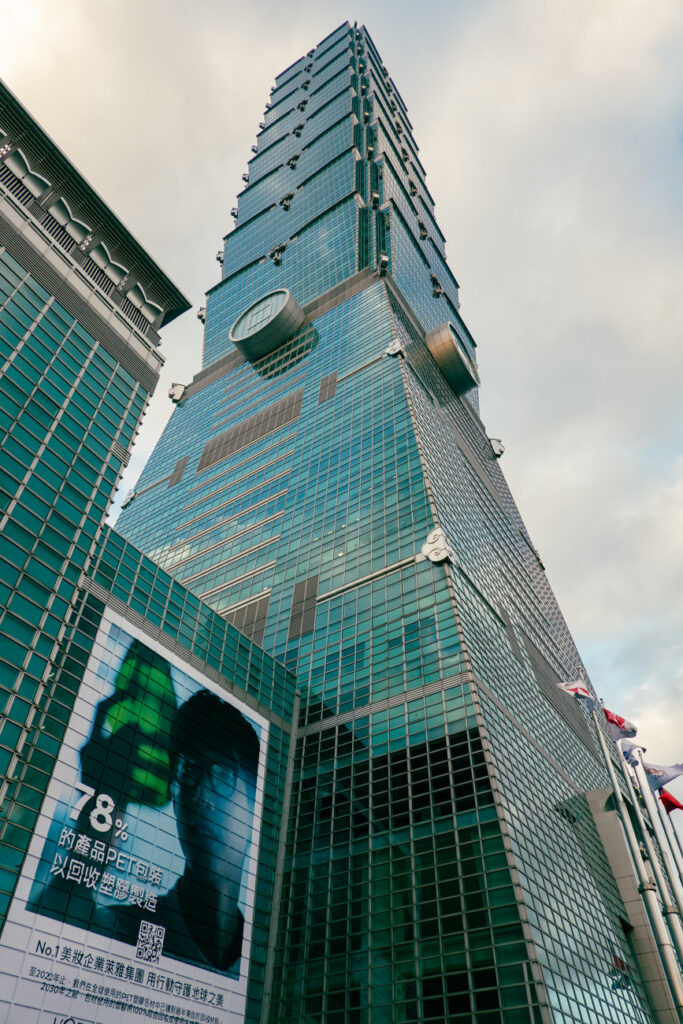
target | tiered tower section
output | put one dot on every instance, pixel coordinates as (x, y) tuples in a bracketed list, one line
[(335, 187)]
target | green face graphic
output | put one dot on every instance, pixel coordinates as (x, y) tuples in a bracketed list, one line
[(128, 750)]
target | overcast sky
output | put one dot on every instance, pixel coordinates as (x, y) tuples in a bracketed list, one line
[(552, 135)]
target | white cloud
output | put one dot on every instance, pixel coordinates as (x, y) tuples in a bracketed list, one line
[(558, 179)]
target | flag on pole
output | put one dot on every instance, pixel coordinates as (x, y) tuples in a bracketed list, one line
[(619, 728), (579, 690), (670, 802), (658, 775), (629, 749)]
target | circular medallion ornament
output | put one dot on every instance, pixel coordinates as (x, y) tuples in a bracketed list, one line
[(266, 324)]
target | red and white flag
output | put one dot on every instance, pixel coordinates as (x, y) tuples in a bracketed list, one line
[(619, 728), (670, 802), (579, 690), (658, 775)]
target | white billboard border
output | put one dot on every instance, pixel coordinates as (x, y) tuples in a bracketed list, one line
[(40, 926)]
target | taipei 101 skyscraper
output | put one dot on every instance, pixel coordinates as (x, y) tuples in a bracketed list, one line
[(326, 484)]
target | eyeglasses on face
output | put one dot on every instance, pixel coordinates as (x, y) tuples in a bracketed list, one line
[(220, 776)]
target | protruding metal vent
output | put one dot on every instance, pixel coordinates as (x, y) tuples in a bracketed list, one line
[(452, 358), (122, 453)]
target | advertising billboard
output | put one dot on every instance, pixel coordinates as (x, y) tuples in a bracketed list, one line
[(137, 893)]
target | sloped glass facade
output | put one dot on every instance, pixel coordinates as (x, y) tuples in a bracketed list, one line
[(69, 414), (440, 860)]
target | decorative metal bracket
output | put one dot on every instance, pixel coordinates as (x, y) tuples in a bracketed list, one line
[(276, 253), (394, 348), (124, 282), (176, 393)]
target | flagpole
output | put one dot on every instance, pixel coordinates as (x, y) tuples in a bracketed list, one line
[(651, 799), (668, 829), (666, 883), (674, 838), (646, 885), (674, 832)]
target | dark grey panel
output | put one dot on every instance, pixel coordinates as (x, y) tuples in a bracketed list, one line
[(511, 633), (250, 619), (328, 387), (253, 429), (177, 474), (302, 618)]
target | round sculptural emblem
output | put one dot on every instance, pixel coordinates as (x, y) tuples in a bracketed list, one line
[(259, 314), (266, 324)]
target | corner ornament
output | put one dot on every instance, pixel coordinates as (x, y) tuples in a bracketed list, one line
[(436, 547)]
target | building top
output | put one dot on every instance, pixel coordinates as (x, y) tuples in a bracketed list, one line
[(279, 79), (61, 192)]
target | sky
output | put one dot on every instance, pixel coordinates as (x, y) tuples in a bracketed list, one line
[(552, 135)]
